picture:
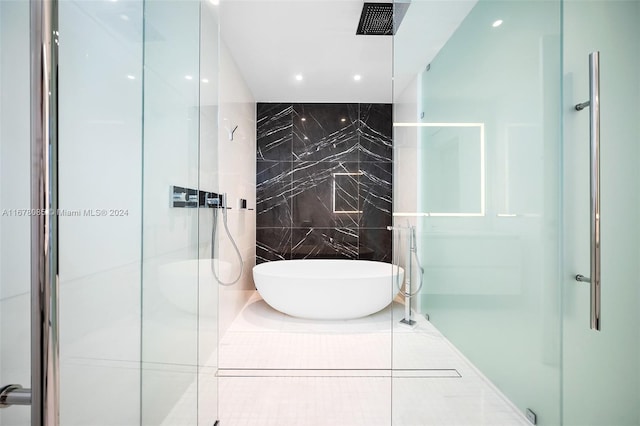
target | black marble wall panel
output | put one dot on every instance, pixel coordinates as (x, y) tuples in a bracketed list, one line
[(325, 132), (375, 194), (376, 129), (273, 244), (324, 181), (313, 194), (273, 194), (324, 243), (274, 136)]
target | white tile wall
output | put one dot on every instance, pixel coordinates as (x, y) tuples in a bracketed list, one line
[(237, 171)]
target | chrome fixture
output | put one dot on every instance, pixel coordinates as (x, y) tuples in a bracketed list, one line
[(594, 183), (231, 132), (242, 204), (412, 253), (14, 395), (184, 197), (44, 391), (214, 200), (189, 197), (221, 204)]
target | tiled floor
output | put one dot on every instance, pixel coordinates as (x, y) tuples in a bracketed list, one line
[(279, 370)]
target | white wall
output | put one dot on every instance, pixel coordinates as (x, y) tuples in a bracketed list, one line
[(237, 174), (406, 152), (14, 194), (405, 143), (100, 127)]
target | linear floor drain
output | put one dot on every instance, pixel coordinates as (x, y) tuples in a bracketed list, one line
[(400, 373)]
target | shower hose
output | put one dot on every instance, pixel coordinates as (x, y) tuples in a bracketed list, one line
[(413, 251), (233, 243)]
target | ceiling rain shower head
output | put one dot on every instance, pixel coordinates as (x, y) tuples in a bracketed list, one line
[(381, 18)]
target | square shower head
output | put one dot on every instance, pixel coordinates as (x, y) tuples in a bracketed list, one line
[(381, 18)]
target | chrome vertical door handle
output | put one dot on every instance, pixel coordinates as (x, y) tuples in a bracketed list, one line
[(14, 395), (594, 148)]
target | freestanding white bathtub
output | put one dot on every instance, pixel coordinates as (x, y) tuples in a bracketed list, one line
[(327, 288)]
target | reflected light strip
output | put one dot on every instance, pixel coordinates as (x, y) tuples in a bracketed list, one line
[(333, 195), (403, 124), (482, 162), (420, 214)]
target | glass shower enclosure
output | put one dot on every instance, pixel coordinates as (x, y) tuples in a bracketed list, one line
[(480, 129), (494, 172), (132, 126)]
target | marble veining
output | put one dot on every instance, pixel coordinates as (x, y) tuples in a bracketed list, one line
[(325, 132), (273, 244), (274, 131), (324, 181), (273, 194), (376, 130), (324, 243)]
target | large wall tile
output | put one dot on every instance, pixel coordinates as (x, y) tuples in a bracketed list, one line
[(324, 243), (325, 132), (274, 128), (273, 193), (312, 201), (376, 194), (375, 244), (376, 130), (273, 244)]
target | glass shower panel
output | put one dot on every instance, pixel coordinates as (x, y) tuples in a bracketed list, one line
[(207, 285), (453, 164), (601, 370), (15, 189), (477, 151), (99, 176), (171, 180)]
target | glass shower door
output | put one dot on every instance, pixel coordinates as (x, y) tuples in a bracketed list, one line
[(477, 156), (15, 247), (601, 369)]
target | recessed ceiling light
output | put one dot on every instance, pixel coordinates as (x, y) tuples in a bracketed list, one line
[(299, 77), (497, 23), (188, 77), (357, 77), (205, 80), (343, 119), (303, 119), (131, 77)]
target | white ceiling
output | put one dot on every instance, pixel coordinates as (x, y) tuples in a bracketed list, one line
[(272, 41)]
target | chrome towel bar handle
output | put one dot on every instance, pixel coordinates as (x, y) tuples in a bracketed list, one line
[(594, 183)]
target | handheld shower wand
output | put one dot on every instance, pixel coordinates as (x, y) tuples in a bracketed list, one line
[(221, 203)]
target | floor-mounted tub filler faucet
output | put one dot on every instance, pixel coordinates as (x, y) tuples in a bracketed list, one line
[(412, 253)]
